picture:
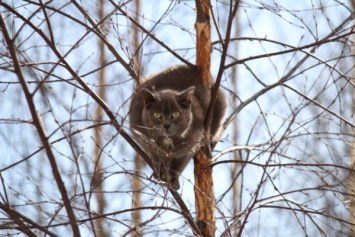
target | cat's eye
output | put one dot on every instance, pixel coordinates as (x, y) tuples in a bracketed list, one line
[(157, 115), (176, 114)]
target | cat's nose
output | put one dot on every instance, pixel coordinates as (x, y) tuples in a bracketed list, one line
[(166, 126)]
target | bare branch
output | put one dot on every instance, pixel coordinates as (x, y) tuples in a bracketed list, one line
[(40, 129)]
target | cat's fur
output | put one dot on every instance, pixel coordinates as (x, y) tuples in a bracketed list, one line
[(167, 117)]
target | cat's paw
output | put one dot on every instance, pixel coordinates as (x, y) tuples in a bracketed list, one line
[(163, 175), (174, 184), (167, 178)]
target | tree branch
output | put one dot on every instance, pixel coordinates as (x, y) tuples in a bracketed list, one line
[(150, 34), (21, 220), (40, 127)]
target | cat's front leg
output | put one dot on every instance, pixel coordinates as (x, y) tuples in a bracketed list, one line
[(169, 174), (174, 183), (177, 166), (163, 172)]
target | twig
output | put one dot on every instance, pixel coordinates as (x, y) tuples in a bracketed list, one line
[(289, 74), (21, 219), (104, 106), (150, 34), (39, 126), (85, 87)]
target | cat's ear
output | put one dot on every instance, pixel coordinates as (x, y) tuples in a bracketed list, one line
[(148, 96), (185, 97)]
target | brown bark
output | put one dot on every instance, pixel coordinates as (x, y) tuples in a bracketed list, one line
[(203, 39), (204, 195), (203, 189)]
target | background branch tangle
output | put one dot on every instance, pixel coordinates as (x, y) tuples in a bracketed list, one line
[(293, 91)]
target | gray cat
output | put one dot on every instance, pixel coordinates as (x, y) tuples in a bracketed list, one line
[(167, 117)]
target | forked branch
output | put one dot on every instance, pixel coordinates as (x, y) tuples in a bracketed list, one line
[(39, 126)]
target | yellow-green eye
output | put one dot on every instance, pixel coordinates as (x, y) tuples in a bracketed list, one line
[(176, 114), (157, 115)]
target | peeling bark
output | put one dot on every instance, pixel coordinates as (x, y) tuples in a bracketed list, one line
[(204, 195)]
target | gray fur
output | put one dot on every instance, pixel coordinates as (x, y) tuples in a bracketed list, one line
[(170, 140)]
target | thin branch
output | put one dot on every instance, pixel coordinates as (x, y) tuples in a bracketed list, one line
[(21, 219), (321, 106), (111, 116), (186, 212), (225, 46), (291, 50), (149, 33), (288, 75), (102, 36), (296, 164), (40, 127), (85, 87)]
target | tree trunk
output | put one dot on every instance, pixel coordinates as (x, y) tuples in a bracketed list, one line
[(236, 167), (351, 190), (351, 180), (138, 162), (205, 205), (97, 176)]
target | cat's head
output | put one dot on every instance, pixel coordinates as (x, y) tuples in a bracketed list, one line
[(168, 112)]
